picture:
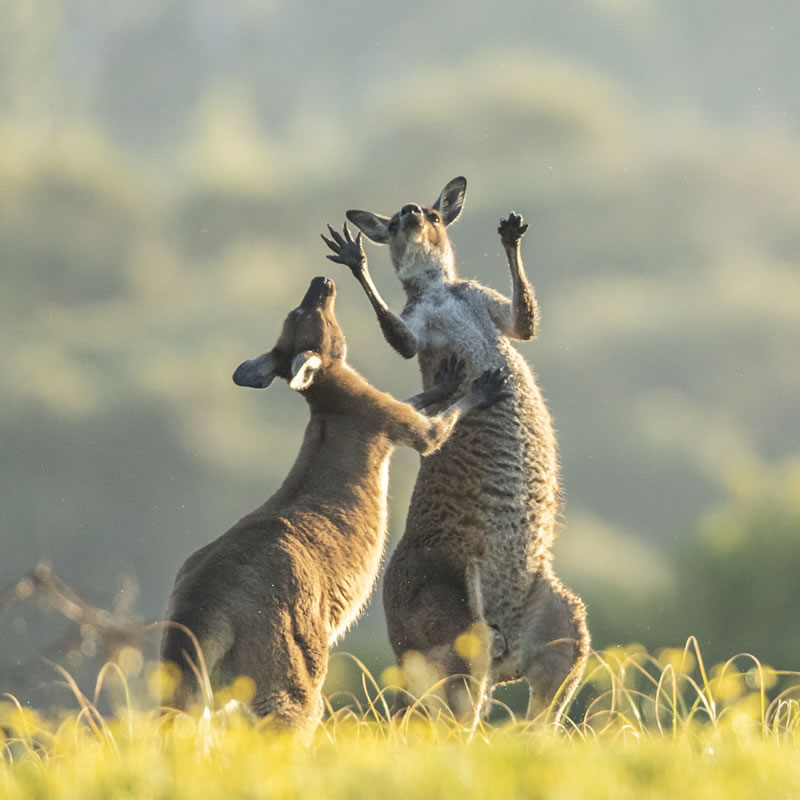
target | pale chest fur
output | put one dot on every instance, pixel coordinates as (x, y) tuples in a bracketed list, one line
[(446, 319)]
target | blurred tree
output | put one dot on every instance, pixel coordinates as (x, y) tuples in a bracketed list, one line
[(734, 583), (738, 581)]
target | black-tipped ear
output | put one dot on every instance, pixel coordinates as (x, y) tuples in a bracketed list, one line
[(450, 202), (375, 226), (257, 373)]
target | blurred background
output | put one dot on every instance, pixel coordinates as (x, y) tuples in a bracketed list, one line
[(166, 169)]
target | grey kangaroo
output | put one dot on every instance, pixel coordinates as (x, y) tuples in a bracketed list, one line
[(270, 596), (476, 552)]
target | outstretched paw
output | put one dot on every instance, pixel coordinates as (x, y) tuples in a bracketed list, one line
[(450, 375), (348, 251), (512, 229), (491, 387)]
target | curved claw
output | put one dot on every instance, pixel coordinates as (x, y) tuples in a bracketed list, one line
[(336, 237), (329, 243), (492, 386)]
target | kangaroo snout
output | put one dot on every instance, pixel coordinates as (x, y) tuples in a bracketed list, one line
[(319, 290), (410, 208)]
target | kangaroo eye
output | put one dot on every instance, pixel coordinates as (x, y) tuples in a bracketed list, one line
[(434, 218)]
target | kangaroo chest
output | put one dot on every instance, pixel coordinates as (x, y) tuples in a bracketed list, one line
[(444, 321)]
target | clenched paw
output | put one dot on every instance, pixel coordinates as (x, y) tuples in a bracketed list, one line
[(511, 229), (491, 387)]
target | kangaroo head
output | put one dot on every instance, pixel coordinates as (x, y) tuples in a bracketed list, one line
[(416, 235), (310, 342)]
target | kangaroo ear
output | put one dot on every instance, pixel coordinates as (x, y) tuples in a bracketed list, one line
[(375, 226), (304, 370), (450, 202), (257, 373)]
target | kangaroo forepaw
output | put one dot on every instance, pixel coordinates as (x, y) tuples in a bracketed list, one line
[(491, 387), (451, 374), (348, 251), (511, 229)]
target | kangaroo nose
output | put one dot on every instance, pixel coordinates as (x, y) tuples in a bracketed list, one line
[(318, 291), (410, 208)]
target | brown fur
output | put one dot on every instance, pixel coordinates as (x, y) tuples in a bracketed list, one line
[(476, 555), (269, 597)]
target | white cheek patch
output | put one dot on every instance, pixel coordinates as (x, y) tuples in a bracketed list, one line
[(304, 369)]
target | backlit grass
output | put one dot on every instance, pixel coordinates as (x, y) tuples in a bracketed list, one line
[(642, 725)]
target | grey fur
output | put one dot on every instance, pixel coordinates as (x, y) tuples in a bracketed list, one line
[(268, 598), (476, 552)]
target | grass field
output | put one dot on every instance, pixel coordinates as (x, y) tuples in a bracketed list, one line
[(644, 727)]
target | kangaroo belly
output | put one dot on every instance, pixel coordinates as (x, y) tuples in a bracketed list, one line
[(492, 487)]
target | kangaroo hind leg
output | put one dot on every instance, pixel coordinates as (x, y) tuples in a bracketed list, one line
[(555, 646)]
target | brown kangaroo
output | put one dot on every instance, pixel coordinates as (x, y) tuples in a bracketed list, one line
[(270, 596), (476, 552)]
